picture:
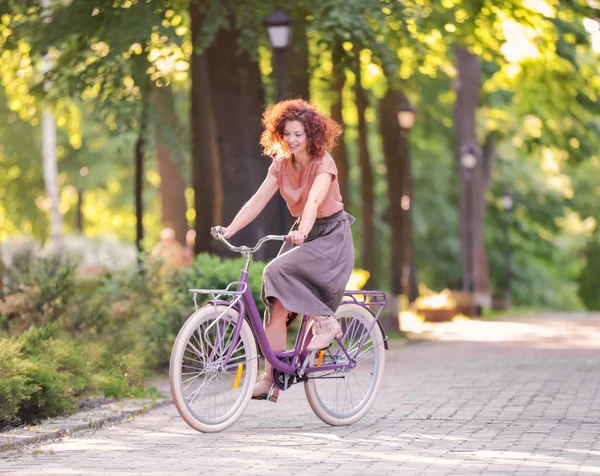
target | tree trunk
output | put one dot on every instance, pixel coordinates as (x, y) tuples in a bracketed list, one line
[(50, 166), (340, 155), (299, 76), (367, 198), (481, 271), (399, 174), (139, 175), (79, 211), (474, 184), (1, 268), (172, 186), (238, 99), (393, 155), (206, 177), (51, 179), (409, 273)]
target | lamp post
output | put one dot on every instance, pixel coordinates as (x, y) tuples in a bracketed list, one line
[(279, 28), (507, 206), (406, 120), (468, 162)]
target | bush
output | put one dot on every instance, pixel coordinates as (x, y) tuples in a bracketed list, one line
[(159, 304), (589, 279), (16, 385), (86, 337), (45, 372), (212, 272), (38, 291)]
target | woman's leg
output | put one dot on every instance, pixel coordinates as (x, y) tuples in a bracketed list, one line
[(276, 330), (276, 335)]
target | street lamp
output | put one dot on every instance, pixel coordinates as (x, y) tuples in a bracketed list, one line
[(507, 201), (279, 28), (406, 120), (507, 206), (468, 160), (406, 115)]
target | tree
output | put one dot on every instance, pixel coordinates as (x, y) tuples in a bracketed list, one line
[(206, 165), (367, 223), (474, 183), (338, 80), (299, 73), (237, 98), (169, 155)]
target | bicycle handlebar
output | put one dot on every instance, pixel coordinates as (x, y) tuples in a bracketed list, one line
[(216, 230)]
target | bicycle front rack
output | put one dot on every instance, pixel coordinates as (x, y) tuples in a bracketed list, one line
[(218, 294)]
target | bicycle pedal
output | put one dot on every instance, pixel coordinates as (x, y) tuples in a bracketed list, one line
[(273, 398)]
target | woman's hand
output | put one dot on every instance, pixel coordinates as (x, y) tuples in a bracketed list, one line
[(224, 231), (296, 237)]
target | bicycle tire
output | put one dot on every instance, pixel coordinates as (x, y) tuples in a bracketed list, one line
[(321, 392), (193, 359)]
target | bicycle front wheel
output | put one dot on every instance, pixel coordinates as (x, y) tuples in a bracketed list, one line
[(343, 397), (211, 394)]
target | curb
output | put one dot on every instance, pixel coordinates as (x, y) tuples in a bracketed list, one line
[(92, 419)]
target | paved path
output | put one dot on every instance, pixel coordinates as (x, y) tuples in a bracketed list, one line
[(487, 398)]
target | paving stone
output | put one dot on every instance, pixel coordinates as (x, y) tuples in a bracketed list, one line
[(519, 396)]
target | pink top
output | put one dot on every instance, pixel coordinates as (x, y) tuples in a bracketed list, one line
[(294, 185)]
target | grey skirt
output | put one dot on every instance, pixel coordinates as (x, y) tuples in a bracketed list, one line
[(310, 279)]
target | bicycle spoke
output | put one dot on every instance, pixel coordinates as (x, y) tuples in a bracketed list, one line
[(212, 389), (343, 397)]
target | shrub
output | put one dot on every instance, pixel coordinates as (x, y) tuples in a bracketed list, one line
[(16, 385), (589, 279), (85, 337), (161, 304), (212, 272), (60, 372), (38, 291), (45, 372)]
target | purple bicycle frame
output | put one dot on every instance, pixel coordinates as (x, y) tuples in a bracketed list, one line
[(247, 303)]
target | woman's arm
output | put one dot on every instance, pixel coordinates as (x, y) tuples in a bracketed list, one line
[(317, 194), (253, 207)]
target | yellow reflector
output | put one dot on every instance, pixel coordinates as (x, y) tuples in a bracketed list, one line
[(238, 376), (320, 361)]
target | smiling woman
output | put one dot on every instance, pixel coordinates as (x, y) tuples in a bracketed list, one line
[(311, 271), (321, 131)]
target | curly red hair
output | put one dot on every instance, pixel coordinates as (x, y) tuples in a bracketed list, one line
[(321, 131)]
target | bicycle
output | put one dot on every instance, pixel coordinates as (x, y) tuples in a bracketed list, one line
[(214, 360)]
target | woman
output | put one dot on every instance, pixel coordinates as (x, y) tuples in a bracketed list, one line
[(310, 273)]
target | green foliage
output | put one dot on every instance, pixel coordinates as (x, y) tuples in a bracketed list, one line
[(15, 384), (589, 284), (107, 339), (38, 291), (543, 107), (44, 375), (163, 303)]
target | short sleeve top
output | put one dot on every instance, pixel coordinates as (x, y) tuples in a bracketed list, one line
[(294, 185)]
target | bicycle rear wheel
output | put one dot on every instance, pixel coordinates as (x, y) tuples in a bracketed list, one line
[(209, 395), (343, 397)]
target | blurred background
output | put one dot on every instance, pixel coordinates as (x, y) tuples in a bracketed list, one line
[(470, 157)]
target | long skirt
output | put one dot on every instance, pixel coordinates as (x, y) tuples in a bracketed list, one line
[(310, 279)]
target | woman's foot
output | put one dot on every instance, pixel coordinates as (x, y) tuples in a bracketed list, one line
[(326, 329), (265, 390)]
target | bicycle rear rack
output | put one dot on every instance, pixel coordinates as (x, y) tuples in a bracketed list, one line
[(374, 301), (367, 299)]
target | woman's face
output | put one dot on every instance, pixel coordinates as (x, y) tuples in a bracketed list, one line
[(295, 137)]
